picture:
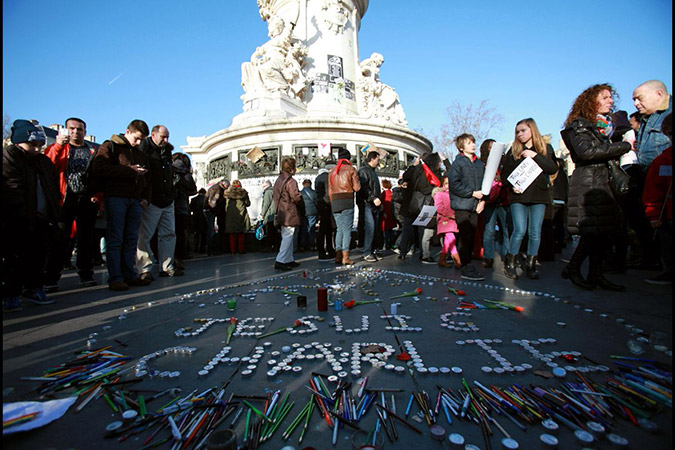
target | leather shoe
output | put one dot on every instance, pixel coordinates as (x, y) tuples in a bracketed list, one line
[(282, 266), (174, 273), (147, 276), (118, 286), (576, 278), (138, 282), (604, 283), (293, 264)]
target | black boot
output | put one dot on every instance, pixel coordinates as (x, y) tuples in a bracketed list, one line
[(510, 267), (595, 276), (531, 267), (572, 271)]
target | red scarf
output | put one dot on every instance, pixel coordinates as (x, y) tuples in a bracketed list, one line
[(340, 163), (431, 177)]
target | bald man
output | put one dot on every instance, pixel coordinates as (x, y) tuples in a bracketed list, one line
[(652, 100), (158, 215)]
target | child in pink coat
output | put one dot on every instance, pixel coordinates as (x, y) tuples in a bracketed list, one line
[(446, 226)]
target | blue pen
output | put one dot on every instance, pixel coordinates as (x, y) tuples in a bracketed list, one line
[(407, 410), (445, 410)]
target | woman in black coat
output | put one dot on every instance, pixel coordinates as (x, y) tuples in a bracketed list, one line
[(593, 211)]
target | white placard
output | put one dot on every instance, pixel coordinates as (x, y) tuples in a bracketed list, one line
[(494, 158), (526, 172), (425, 216), (323, 149), (627, 159)]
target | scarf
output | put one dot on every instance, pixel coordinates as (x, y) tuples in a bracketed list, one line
[(431, 177), (604, 125), (340, 163)]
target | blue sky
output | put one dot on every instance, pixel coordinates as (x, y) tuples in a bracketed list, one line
[(178, 62)]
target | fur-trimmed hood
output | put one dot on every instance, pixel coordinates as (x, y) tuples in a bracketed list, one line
[(235, 193)]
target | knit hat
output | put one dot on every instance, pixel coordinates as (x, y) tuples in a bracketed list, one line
[(343, 153), (26, 131)]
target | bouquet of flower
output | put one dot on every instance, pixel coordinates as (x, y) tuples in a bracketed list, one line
[(230, 329), (458, 292), (353, 303), (417, 291)]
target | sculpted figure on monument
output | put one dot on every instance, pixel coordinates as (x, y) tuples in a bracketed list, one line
[(377, 99), (276, 66), (335, 16)]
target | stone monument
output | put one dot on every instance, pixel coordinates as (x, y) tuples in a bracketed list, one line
[(308, 94)]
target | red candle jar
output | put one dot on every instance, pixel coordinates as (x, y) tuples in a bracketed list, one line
[(322, 299)]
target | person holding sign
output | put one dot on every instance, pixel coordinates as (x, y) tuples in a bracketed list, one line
[(527, 168), (593, 211)]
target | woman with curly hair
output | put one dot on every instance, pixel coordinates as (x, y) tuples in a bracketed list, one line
[(593, 211)]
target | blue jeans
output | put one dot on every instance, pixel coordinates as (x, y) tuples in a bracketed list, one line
[(308, 233), (491, 213), (370, 216), (344, 221), (123, 220), (530, 218)]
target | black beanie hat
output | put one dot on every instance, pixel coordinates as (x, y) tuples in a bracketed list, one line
[(343, 153), (26, 131)]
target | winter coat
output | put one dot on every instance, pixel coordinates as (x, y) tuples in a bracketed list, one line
[(214, 199), (342, 186), (387, 217), (59, 156), (197, 209), (309, 198), (20, 174), (161, 170), (267, 208), (286, 198), (399, 196), (465, 177), (540, 189), (184, 187), (658, 188), (445, 215), (370, 185), (111, 164), (321, 189), (592, 209), (236, 214)]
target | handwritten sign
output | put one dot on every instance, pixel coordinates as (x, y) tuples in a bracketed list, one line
[(425, 216), (524, 175)]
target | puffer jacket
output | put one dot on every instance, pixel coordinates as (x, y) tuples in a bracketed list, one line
[(465, 176), (286, 198), (592, 209), (341, 187), (236, 214), (540, 190), (112, 162)]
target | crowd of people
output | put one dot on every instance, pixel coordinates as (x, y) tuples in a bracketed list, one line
[(618, 201)]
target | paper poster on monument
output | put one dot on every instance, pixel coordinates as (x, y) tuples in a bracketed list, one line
[(524, 174), (494, 158), (323, 150), (425, 216)]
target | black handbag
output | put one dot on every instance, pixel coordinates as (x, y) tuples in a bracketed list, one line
[(619, 181)]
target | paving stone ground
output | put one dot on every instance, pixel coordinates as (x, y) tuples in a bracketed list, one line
[(590, 324)]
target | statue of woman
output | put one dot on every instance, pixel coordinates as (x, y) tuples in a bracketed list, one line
[(378, 99)]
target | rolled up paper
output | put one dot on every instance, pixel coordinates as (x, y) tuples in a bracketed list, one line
[(492, 165)]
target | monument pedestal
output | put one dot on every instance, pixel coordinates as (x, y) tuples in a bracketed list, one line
[(276, 105)]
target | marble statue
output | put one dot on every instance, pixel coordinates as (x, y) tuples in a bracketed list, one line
[(335, 16), (377, 99), (276, 66)]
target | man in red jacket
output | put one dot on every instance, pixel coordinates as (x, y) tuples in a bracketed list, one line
[(657, 198), (72, 156)]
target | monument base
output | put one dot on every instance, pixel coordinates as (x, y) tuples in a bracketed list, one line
[(275, 105)]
